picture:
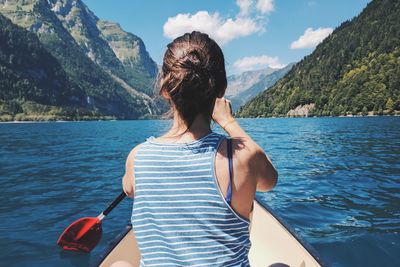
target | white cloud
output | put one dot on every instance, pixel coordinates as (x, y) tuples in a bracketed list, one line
[(311, 38), (250, 63), (265, 6), (223, 30), (244, 6)]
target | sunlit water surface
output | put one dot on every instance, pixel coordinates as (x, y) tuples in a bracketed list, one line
[(339, 184)]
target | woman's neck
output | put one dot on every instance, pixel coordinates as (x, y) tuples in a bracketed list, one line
[(179, 131)]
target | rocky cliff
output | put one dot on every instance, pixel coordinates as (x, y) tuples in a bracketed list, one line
[(113, 83)]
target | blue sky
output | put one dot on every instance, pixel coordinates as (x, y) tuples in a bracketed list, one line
[(253, 34)]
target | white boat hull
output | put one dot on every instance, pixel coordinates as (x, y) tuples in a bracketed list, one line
[(273, 244)]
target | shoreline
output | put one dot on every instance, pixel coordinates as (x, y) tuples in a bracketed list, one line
[(111, 120)]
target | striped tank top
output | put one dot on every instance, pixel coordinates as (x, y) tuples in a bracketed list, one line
[(179, 216)]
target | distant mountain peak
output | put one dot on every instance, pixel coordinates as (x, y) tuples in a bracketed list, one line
[(71, 8), (105, 42), (242, 87), (110, 65), (238, 83)]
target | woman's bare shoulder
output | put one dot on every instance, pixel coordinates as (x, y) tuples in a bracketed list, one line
[(128, 180), (132, 154), (243, 150), (253, 161)]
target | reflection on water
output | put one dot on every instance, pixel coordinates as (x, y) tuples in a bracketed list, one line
[(339, 184)]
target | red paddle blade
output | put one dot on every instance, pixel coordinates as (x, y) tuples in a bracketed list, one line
[(82, 235)]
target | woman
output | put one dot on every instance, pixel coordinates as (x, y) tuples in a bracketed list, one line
[(190, 208)]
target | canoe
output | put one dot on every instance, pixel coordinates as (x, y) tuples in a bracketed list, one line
[(274, 243)]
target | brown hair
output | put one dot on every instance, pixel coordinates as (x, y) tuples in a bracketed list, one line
[(193, 74)]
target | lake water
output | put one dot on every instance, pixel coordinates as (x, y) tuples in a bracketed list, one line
[(339, 184)]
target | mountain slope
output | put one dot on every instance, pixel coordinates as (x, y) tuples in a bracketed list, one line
[(240, 82), (140, 69), (32, 80), (122, 54), (354, 70), (264, 81), (104, 92)]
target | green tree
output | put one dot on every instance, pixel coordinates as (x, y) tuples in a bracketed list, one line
[(357, 66), (389, 104), (364, 111)]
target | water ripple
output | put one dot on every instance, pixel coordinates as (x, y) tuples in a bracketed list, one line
[(339, 184)]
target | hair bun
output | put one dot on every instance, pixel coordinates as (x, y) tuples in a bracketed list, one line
[(193, 74), (194, 57), (193, 60)]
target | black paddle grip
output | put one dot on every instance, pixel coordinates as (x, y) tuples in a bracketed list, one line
[(114, 203)]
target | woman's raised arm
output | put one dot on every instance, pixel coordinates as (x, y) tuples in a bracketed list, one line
[(261, 167)]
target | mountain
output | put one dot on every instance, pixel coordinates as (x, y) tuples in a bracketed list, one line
[(241, 82), (243, 87), (120, 53), (355, 70), (131, 52), (31, 79), (87, 53)]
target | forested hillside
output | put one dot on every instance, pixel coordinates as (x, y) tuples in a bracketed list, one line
[(32, 82), (91, 75), (355, 70)]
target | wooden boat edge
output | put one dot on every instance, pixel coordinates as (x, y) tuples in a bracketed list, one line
[(308, 248), (110, 247)]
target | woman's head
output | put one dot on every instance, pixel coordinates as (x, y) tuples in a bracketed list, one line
[(193, 75)]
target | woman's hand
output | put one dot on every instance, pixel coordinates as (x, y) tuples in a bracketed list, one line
[(222, 113)]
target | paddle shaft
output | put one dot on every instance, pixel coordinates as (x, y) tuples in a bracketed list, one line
[(114, 203)]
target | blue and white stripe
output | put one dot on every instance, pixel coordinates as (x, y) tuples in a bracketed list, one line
[(179, 215)]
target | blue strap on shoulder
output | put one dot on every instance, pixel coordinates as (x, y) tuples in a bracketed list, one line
[(229, 193)]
